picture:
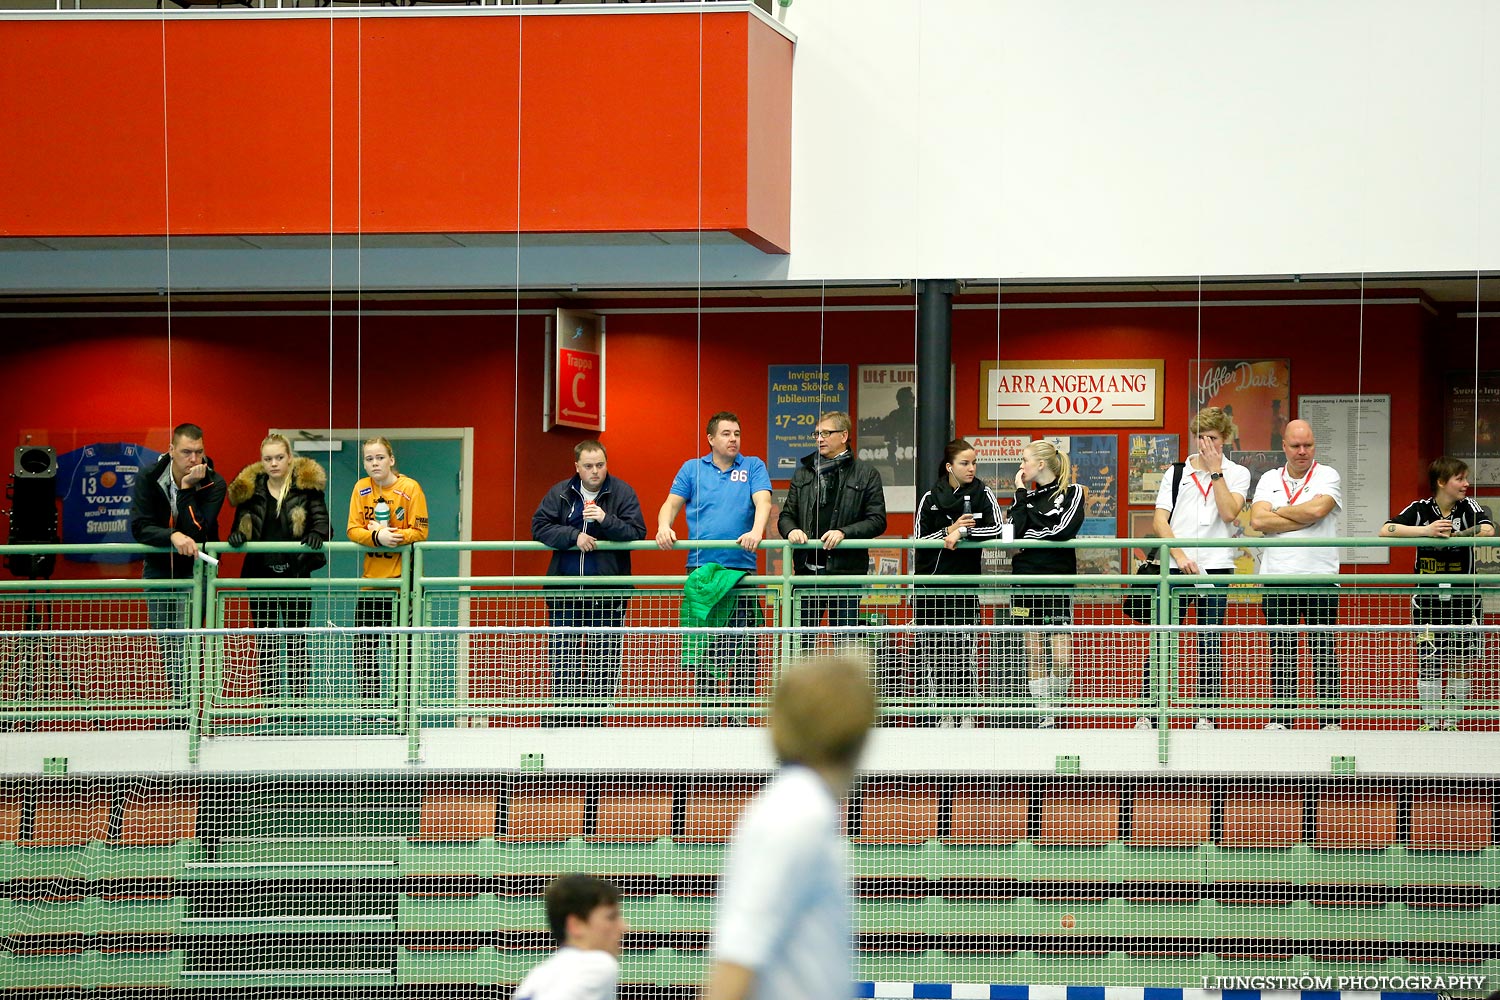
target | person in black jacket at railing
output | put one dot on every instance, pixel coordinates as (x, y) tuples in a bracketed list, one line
[(833, 496), (1047, 508), (175, 503), (281, 499), (573, 517), (959, 504)]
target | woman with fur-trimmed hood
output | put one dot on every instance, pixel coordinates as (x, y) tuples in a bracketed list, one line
[(280, 499)]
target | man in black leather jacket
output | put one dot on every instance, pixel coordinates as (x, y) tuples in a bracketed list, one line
[(175, 503), (833, 496)]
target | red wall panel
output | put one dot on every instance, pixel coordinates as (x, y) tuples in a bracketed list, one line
[(555, 124), (89, 380)]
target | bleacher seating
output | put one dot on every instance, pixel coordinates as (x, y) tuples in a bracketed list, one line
[(411, 882)]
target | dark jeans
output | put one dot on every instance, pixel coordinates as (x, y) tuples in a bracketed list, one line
[(735, 657), (842, 610), (1316, 610), (946, 657), (274, 611), (372, 612), (1211, 605), (584, 665), (166, 609)]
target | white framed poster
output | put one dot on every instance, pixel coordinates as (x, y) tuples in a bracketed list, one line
[(1094, 393), (1353, 433)]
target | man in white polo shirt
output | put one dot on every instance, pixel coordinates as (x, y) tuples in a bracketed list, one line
[(1300, 500), (783, 923), (1210, 494)]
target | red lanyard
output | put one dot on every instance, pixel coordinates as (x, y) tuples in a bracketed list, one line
[(1205, 490), (1291, 498)]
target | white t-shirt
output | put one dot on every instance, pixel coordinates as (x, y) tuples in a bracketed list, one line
[(1279, 490), (572, 974), (783, 908), (1197, 512)]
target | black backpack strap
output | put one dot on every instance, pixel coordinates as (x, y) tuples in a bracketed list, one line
[(1177, 468)]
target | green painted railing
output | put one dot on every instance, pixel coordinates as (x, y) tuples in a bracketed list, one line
[(415, 632)]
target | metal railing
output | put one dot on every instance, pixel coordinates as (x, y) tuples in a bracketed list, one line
[(457, 648)]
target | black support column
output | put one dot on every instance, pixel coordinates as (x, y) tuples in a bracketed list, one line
[(934, 363)]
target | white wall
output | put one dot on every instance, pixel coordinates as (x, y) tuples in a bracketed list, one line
[(975, 138)]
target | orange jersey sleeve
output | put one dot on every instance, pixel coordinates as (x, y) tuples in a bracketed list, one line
[(412, 510), (361, 511)]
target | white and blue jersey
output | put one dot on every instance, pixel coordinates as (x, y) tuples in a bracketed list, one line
[(720, 506), (784, 909)]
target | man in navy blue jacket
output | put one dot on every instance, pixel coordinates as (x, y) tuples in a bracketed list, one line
[(572, 519)]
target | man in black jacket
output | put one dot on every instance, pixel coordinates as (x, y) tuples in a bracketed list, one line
[(833, 496), (175, 503), (573, 517)]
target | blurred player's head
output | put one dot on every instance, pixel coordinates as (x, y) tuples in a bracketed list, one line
[(822, 711), (584, 912)]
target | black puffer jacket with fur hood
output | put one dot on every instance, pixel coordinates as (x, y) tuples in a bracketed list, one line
[(304, 511)]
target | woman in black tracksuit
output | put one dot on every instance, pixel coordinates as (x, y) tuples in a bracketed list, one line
[(959, 504), (280, 499), (1047, 509)]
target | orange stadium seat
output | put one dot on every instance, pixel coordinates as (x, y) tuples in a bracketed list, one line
[(634, 815), (1259, 817), (989, 815), (455, 815), (710, 812), (11, 808), (1084, 816), (547, 811), (158, 819), (1350, 819), (898, 813), (69, 819), (1452, 821), (1170, 817)]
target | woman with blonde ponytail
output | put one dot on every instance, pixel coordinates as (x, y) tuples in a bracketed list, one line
[(1048, 508)]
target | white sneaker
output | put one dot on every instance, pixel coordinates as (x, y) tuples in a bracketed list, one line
[(1204, 724), (967, 722), (1332, 727), (1450, 725), (1143, 722), (946, 722), (1274, 725), (1046, 722)]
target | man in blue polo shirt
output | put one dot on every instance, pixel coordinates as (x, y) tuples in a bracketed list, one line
[(728, 498)]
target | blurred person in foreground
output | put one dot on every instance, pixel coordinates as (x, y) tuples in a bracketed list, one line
[(783, 921)]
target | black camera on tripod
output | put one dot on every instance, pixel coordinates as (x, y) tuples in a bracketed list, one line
[(33, 510)]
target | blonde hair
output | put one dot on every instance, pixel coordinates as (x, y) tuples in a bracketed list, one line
[(1053, 459), (839, 419), (280, 439), (1211, 418), (822, 711), (384, 443)]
